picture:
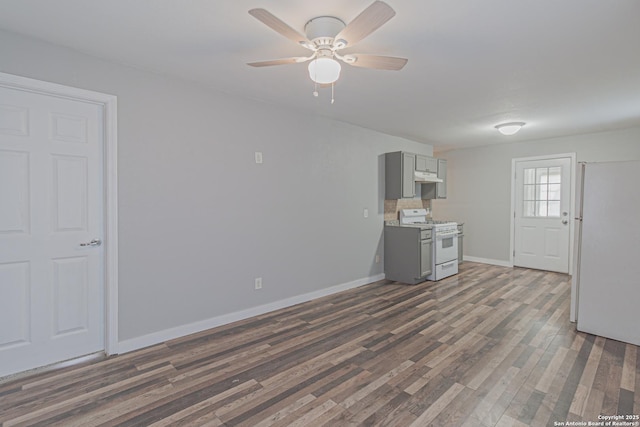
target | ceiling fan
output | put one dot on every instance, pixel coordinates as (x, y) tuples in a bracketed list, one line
[(326, 36)]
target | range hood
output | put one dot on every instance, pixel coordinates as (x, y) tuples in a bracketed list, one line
[(420, 177)]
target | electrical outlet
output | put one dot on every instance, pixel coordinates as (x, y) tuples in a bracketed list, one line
[(258, 157), (258, 282), (377, 259)]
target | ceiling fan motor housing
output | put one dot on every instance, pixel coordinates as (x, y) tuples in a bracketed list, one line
[(323, 29)]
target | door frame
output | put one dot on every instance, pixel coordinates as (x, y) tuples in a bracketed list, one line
[(110, 186), (572, 201)]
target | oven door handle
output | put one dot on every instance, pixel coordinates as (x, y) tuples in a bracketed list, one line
[(446, 235)]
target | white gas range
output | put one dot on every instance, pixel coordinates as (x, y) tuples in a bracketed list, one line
[(445, 241)]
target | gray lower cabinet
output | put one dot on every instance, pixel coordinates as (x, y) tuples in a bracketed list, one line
[(460, 238), (426, 248), (407, 254)]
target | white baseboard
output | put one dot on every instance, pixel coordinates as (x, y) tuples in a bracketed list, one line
[(488, 261), (191, 328)]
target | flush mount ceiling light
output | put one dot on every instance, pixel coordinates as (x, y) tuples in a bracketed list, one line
[(509, 128), (324, 70)]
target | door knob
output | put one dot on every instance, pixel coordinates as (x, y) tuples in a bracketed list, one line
[(565, 222), (94, 242)]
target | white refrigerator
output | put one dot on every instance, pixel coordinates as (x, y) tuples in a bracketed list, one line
[(606, 276)]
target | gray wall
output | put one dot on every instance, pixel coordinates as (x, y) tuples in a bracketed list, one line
[(479, 183), (199, 220)]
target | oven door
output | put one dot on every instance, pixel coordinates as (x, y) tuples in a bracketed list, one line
[(446, 247)]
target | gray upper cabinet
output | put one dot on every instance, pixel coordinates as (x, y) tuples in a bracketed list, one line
[(439, 190), (399, 179), (441, 187), (408, 180), (426, 164)]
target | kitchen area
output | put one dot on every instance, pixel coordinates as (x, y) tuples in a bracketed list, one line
[(417, 247)]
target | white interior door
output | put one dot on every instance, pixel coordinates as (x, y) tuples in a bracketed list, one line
[(542, 219), (51, 209)]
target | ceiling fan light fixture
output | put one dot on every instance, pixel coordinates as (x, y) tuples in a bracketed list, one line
[(324, 70), (510, 128)]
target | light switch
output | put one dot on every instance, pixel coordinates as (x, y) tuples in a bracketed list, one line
[(365, 213), (258, 157)]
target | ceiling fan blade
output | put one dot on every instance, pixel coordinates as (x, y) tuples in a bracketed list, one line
[(375, 61), (283, 61), (366, 23), (273, 22)]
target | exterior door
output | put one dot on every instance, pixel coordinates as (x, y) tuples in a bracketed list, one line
[(51, 227), (542, 214)]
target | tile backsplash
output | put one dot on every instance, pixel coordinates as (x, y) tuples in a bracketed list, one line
[(392, 207)]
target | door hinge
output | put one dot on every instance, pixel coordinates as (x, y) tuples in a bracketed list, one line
[(514, 253)]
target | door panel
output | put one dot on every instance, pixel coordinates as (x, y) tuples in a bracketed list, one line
[(68, 128), (51, 201), (529, 241), (542, 213), (13, 120), (14, 192), (70, 288), (70, 193), (552, 240), (14, 304)]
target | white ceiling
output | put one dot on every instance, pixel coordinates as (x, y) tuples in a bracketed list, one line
[(564, 67)]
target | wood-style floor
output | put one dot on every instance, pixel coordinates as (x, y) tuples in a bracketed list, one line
[(491, 346)]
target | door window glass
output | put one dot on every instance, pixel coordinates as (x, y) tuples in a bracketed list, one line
[(541, 192)]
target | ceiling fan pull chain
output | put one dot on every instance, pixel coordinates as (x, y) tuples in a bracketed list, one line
[(315, 85), (332, 100)]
